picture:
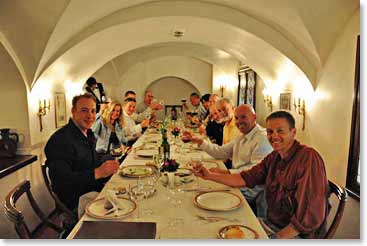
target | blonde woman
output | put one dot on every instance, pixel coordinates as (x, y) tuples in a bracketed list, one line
[(108, 129)]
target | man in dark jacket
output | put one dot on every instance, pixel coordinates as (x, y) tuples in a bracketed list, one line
[(71, 157), (90, 86)]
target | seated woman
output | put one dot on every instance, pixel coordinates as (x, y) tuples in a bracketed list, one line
[(108, 130), (131, 129)]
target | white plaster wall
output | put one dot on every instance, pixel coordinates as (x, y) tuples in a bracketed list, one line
[(13, 100), (172, 90), (328, 121), (139, 76)]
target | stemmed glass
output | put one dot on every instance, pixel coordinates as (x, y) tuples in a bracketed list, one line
[(176, 198), (196, 158), (116, 151), (138, 194)]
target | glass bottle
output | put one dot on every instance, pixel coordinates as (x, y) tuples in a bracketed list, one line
[(165, 146)]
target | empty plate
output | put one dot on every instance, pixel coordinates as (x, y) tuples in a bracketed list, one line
[(146, 152), (218, 201)]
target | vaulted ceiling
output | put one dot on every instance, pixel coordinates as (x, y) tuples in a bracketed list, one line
[(71, 39)]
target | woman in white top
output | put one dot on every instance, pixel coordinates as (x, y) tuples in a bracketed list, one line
[(131, 129)]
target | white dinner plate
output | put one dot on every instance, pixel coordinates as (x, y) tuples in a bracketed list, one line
[(136, 171), (210, 164), (237, 232), (146, 153), (96, 209), (217, 201)]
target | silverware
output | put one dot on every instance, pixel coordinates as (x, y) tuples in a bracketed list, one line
[(213, 219), (206, 189)]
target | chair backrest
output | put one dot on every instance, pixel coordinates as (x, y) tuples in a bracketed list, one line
[(342, 196), (16, 216), (60, 206)]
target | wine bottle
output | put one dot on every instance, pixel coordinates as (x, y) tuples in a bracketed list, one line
[(165, 146)]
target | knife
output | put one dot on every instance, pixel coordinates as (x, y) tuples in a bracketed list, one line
[(206, 189)]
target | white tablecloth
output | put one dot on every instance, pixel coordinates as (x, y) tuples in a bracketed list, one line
[(163, 210)]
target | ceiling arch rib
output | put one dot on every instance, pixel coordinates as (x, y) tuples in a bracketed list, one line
[(200, 52), (177, 9), (89, 55)]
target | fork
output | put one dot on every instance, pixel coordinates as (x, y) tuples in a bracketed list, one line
[(213, 219)]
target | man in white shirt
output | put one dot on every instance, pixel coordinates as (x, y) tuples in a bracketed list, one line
[(246, 150), (132, 130), (148, 107)]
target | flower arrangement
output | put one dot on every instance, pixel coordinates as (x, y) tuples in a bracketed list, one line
[(169, 165), (176, 131)]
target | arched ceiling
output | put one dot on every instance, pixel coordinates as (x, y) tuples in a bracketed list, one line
[(75, 38)]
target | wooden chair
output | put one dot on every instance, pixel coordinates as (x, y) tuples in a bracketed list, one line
[(59, 205), (16, 216), (342, 195)]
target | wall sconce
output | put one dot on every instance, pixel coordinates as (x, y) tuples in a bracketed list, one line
[(300, 109), (222, 87), (268, 102), (43, 109)]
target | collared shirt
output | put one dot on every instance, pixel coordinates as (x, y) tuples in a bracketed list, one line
[(230, 131), (296, 189), (103, 133), (71, 159), (131, 130), (203, 112), (245, 150)]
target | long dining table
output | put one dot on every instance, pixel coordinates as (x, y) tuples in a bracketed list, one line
[(184, 218)]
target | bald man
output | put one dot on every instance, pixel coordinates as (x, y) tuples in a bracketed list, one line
[(246, 150)]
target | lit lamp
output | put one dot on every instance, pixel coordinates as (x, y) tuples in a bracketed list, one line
[(300, 109), (268, 102), (222, 87), (43, 109)]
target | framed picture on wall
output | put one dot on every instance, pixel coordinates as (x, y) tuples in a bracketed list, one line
[(60, 109), (247, 87), (285, 101)]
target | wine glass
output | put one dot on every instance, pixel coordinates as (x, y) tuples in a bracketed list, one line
[(176, 198), (139, 193), (196, 158), (116, 151)]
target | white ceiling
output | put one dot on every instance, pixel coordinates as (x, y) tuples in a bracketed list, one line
[(74, 38)]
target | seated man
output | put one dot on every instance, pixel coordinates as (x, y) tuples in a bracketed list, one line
[(246, 150), (226, 111), (132, 130), (295, 182), (71, 157), (204, 107), (148, 106), (213, 127), (145, 109)]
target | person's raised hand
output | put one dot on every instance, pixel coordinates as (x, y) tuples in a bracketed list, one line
[(106, 169), (144, 123)]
